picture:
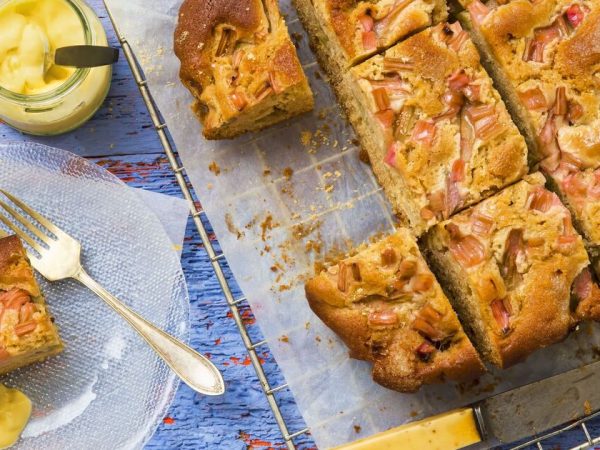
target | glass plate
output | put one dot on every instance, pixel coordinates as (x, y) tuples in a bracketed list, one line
[(107, 390)]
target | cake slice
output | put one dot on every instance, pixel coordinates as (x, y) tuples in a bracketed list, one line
[(387, 307), (511, 263), (238, 61), (437, 133), (346, 32), (545, 57), (580, 191), (27, 331)]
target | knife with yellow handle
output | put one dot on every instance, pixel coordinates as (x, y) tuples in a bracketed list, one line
[(504, 418)]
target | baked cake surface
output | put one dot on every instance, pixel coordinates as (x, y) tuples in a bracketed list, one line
[(387, 307), (511, 263), (345, 32), (27, 331), (580, 191), (437, 133), (545, 57), (238, 61)]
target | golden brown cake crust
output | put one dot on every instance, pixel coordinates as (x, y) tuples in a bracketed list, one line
[(239, 63), (386, 306)]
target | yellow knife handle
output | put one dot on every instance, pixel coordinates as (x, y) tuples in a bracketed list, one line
[(449, 431)]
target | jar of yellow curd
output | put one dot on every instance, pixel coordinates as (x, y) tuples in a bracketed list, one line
[(36, 96)]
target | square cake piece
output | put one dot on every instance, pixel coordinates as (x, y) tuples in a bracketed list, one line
[(345, 32), (511, 263), (388, 308), (27, 331), (238, 61), (545, 58), (437, 133)]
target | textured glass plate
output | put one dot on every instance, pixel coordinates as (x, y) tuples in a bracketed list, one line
[(108, 390)]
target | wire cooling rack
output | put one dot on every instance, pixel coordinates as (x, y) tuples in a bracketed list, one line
[(234, 303)]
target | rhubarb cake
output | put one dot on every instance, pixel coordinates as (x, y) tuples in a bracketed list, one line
[(511, 264), (437, 133), (387, 307), (345, 32), (27, 331), (545, 57), (239, 63)]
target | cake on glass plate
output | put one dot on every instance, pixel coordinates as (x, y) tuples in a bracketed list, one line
[(27, 331), (239, 63), (516, 269), (388, 308), (437, 133)]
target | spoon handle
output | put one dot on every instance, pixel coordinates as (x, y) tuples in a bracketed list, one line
[(82, 56)]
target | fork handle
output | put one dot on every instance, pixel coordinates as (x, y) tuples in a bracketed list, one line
[(194, 369)]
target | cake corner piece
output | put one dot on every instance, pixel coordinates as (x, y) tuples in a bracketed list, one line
[(239, 63), (387, 307)]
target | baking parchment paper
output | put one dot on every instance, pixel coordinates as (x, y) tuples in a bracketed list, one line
[(282, 198)]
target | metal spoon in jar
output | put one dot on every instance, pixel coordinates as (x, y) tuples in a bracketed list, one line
[(80, 56)]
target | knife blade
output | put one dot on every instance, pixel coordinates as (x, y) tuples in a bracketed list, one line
[(537, 407), (504, 418)]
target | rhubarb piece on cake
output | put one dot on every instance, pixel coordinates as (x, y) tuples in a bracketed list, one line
[(238, 61), (545, 58), (511, 263), (345, 32), (437, 133), (27, 331), (387, 307)]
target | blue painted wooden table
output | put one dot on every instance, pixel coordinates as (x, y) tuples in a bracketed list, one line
[(121, 138)]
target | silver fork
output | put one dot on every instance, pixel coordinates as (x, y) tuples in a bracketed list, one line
[(60, 258)]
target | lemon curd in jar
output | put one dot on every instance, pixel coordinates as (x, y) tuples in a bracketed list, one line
[(36, 96)]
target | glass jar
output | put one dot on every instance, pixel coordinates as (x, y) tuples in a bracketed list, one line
[(70, 104)]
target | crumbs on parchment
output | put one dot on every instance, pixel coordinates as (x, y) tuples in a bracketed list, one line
[(357, 429), (231, 226), (214, 168), (288, 172), (284, 338), (267, 225)]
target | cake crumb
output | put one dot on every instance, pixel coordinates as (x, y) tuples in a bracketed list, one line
[(267, 225), (305, 137), (288, 172), (231, 226), (214, 168), (587, 407), (357, 429), (284, 338)]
